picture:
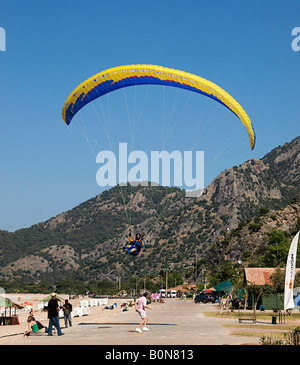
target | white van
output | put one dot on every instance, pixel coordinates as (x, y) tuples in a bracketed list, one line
[(162, 293), (172, 294)]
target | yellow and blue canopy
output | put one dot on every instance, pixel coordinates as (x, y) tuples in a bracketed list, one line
[(123, 76)]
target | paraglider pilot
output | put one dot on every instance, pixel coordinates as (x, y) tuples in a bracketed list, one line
[(135, 245)]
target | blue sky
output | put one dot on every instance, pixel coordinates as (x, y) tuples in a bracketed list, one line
[(245, 47)]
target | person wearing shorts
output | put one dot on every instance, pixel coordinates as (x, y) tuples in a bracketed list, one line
[(140, 306)]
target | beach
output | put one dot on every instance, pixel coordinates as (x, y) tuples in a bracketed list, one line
[(175, 322), (13, 333)]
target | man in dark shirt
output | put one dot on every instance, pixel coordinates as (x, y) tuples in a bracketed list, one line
[(53, 309), (67, 308)]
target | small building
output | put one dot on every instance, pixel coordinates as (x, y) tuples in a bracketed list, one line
[(262, 276)]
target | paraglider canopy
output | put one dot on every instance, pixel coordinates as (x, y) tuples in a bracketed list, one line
[(129, 75)]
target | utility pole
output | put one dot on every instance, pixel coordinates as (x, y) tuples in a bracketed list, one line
[(166, 271), (196, 273), (167, 282)]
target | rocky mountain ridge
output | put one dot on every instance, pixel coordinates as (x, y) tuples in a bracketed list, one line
[(86, 242)]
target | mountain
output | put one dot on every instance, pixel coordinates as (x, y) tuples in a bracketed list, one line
[(248, 241), (85, 243)]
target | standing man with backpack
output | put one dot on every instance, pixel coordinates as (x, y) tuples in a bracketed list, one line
[(67, 308)]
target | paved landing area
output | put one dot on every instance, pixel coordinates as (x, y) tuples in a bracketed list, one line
[(173, 323)]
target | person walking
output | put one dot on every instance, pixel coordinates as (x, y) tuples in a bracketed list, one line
[(67, 308), (53, 309), (140, 306)]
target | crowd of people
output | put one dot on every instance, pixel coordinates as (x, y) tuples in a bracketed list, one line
[(35, 327)]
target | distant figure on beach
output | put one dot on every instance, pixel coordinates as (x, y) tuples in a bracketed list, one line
[(126, 309), (53, 309), (33, 329), (134, 246), (67, 309), (140, 306)]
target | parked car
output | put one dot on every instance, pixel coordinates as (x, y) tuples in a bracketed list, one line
[(204, 298)]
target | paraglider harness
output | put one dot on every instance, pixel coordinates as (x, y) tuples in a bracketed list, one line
[(135, 245)]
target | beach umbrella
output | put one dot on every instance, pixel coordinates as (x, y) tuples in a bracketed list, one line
[(48, 297), (8, 303)]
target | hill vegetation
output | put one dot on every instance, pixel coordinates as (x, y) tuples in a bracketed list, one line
[(233, 221)]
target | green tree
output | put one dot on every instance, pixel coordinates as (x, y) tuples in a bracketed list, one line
[(259, 291), (277, 249), (174, 279), (225, 272)]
